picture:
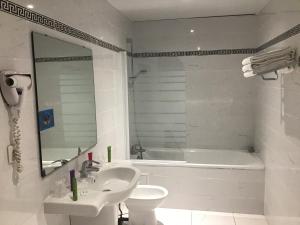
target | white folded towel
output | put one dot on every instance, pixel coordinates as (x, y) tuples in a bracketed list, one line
[(247, 68), (264, 57), (247, 61), (273, 65), (283, 59), (249, 74)]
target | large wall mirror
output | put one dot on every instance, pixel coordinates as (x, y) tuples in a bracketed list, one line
[(65, 91)]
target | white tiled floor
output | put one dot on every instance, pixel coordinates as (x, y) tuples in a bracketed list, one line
[(189, 217)]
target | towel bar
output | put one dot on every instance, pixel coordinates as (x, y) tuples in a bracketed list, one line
[(271, 78)]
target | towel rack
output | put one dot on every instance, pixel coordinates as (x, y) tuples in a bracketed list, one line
[(293, 65), (270, 78)]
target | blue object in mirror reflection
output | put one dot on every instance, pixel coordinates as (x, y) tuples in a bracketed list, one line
[(46, 119)]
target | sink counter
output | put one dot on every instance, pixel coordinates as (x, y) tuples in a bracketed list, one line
[(87, 205)]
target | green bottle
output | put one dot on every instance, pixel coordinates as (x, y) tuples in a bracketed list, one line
[(109, 153), (74, 189)]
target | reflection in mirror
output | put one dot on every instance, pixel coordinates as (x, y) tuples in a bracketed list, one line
[(65, 100)]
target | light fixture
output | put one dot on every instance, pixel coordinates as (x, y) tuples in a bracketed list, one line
[(192, 30), (198, 48), (30, 6)]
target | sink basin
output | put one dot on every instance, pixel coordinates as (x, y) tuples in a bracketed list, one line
[(112, 185)]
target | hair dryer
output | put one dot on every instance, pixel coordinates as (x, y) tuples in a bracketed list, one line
[(13, 88)]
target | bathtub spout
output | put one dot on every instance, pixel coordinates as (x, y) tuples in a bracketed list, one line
[(137, 149)]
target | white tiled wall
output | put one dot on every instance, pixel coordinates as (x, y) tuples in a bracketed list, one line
[(24, 204), (277, 128), (217, 102), (209, 189), (210, 33)]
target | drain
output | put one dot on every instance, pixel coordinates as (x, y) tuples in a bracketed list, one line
[(106, 190)]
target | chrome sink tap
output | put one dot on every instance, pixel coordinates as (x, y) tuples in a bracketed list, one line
[(87, 167)]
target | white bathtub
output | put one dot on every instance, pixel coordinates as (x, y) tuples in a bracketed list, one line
[(210, 158), (205, 179)]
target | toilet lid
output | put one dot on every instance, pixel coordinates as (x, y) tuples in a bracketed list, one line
[(148, 192)]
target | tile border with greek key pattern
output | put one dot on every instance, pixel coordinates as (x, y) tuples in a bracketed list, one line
[(35, 17)]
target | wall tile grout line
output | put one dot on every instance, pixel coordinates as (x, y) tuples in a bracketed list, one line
[(35, 17)]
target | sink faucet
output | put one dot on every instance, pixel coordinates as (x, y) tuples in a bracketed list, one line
[(87, 167)]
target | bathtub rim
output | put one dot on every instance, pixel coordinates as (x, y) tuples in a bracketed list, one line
[(256, 164), (164, 163)]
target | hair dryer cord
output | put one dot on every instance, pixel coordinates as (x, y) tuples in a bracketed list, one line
[(16, 139)]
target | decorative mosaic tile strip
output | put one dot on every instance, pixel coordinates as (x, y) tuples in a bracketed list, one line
[(196, 53), (290, 33), (64, 59), (130, 54), (27, 14)]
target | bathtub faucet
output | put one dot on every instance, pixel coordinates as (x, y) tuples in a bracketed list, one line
[(137, 149)]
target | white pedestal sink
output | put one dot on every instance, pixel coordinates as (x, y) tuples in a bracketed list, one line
[(112, 185), (107, 216)]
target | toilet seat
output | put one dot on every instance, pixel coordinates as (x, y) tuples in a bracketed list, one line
[(148, 192)]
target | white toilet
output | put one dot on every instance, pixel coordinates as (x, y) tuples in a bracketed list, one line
[(142, 202)]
